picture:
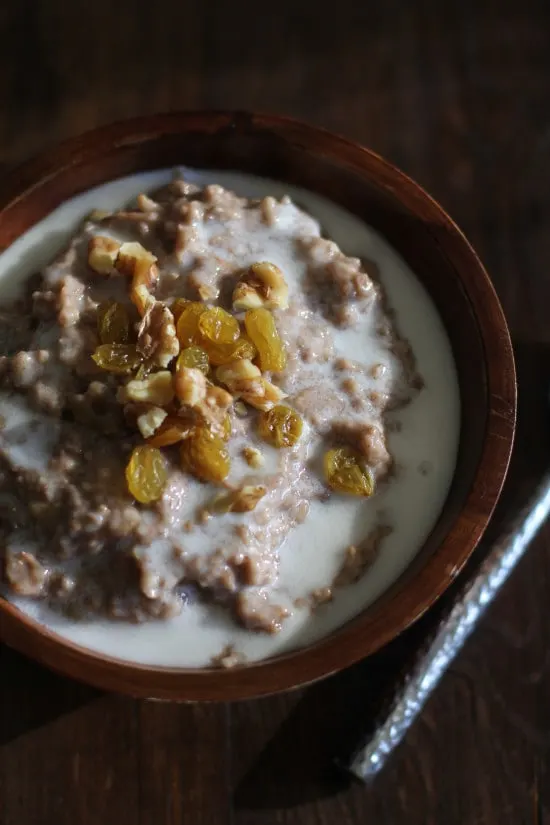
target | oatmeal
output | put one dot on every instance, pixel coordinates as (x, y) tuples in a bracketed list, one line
[(185, 397)]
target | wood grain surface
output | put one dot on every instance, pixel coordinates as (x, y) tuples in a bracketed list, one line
[(458, 95)]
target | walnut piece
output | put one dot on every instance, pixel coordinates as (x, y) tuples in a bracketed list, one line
[(242, 500), (270, 395), (209, 401), (236, 374), (137, 263), (190, 385), (102, 254), (157, 339), (245, 379), (214, 408), (263, 285), (149, 421), (156, 389), (247, 497), (133, 256)]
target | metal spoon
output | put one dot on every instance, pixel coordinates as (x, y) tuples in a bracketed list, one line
[(372, 751)]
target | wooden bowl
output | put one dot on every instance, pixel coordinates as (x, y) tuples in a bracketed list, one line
[(442, 259)]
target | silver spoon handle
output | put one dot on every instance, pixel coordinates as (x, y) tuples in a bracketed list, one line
[(453, 631)]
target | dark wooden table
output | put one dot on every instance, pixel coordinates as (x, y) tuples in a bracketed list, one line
[(458, 95)]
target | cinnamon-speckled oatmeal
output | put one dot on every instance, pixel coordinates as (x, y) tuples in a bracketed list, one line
[(185, 387)]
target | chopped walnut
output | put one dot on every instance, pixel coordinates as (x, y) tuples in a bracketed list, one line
[(137, 263), (190, 385), (131, 257), (211, 402), (214, 408), (149, 421), (245, 380), (207, 292), (156, 389), (372, 444), (239, 501), (102, 254), (157, 339), (263, 285), (247, 497), (238, 373), (268, 396)]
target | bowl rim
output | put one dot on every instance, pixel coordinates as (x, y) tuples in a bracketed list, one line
[(366, 633)]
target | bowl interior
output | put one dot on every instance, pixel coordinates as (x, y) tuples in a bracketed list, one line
[(443, 261)]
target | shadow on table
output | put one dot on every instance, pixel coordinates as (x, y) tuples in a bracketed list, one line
[(32, 696), (298, 764)]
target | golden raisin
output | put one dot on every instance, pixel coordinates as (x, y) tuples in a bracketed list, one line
[(221, 354), (205, 456), (113, 324), (146, 473), (216, 326), (280, 426), (346, 472), (194, 357), (172, 430), (187, 328), (244, 348), (261, 329), (178, 306), (118, 358)]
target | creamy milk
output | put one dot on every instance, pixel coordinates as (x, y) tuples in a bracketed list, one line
[(424, 448)]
